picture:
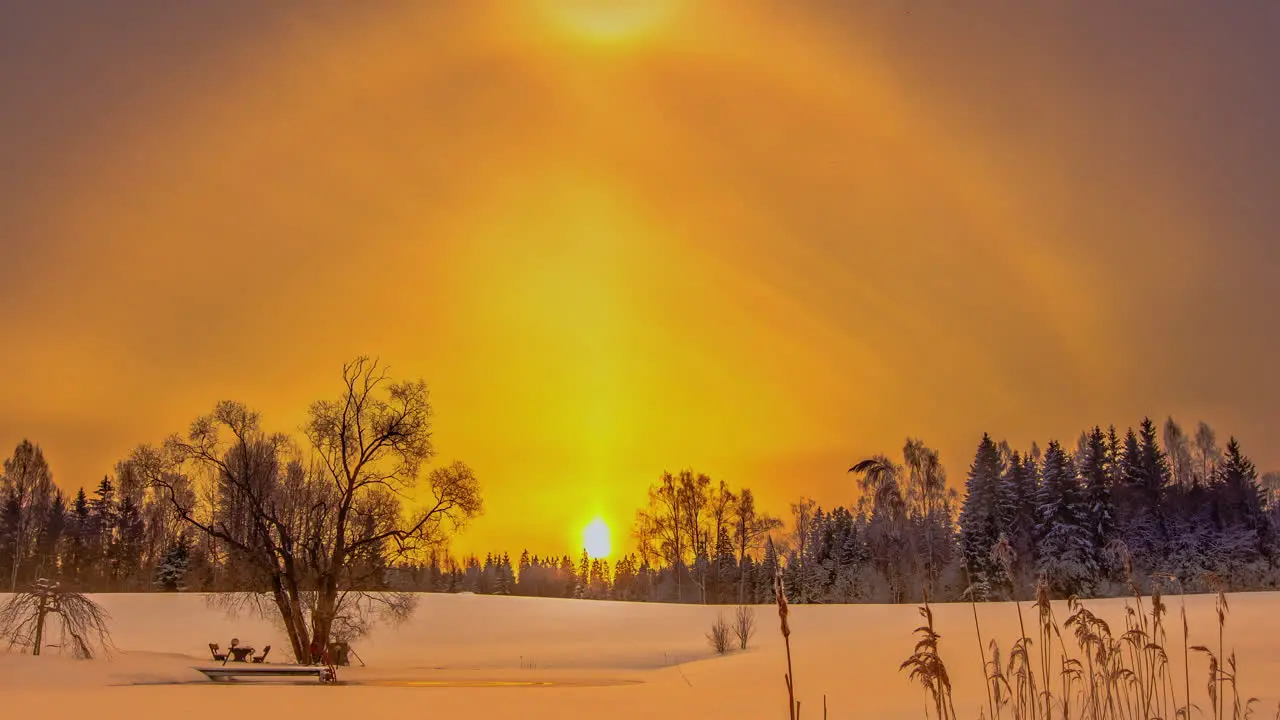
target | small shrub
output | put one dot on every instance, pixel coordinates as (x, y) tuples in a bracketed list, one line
[(744, 625), (718, 636)]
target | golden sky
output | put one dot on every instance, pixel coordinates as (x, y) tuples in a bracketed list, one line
[(616, 237)]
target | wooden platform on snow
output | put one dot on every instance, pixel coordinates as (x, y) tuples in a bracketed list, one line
[(323, 673)]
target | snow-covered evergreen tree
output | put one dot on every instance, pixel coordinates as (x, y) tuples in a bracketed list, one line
[(851, 557), (74, 555), (1146, 479), (1240, 499), (171, 573), (1015, 520), (102, 526), (1067, 555), (1191, 554), (765, 573), (49, 537), (1115, 453), (567, 577), (624, 579), (1241, 519), (503, 582), (725, 572), (979, 526), (582, 580), (1094, 470), (525, 585), (126, 551), (1156, 475)]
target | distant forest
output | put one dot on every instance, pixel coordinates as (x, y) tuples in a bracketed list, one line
[(1145, 506)]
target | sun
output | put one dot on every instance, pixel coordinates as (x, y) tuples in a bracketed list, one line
[(595, 538), (608, 22)]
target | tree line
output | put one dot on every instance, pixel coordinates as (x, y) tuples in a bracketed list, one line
[(1142, 507), (244, 512)]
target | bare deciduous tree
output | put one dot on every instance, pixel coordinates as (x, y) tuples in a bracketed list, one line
[(802, 525), (750, 530), (658, 530), (27, 487), (82, 622), (1177, 447), (317, 531), (1207, 452)]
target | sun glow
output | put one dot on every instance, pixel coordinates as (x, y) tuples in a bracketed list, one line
[(595, 538), (609, 22)]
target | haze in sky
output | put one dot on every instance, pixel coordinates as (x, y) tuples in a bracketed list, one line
[(760, 239)]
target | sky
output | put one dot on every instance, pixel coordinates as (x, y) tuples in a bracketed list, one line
[(762, 240)]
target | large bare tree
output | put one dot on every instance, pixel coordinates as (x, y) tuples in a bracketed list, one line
[(750, 530), (311, 526), (659, 532)]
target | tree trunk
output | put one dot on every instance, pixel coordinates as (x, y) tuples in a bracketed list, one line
[(17, 556), (302, 641), (289, 613), (299, 620), (742, 559), (40, 616), (325, 612)]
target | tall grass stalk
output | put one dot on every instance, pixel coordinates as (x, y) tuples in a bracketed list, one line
[(982, 653), (780, 597), (1120, 675), (1020, 667)]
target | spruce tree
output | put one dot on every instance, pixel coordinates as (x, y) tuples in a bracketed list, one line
[(810, 577), (485, 584), (523, 582), (850, 557), (1095, 473), (1146, 480), (1016, 515), (75, 548), (126, 552), (49, 542), (644, 583), (171, 573), (726, 567), (1156, 475), (583, 578), (979, 529), (1007, 492), (503, 584), (1066, 549), (101, 535), (1240, 508), (624, 578), (1136, 519), (765, 572)]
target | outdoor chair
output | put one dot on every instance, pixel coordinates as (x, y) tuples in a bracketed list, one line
[(263, 657), (220, 657)]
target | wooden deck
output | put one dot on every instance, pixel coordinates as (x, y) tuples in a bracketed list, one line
[(230, 672)]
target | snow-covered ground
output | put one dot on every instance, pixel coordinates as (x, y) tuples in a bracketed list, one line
[(499, 657)]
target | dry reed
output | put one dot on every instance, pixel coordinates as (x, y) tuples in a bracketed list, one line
[(1120, 674), (780, 596)]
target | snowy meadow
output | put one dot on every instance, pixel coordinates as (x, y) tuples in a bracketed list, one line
[(461, 655)]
